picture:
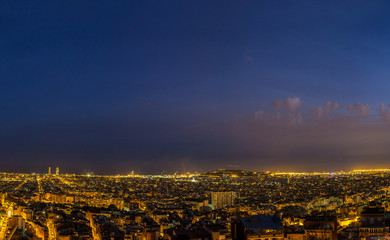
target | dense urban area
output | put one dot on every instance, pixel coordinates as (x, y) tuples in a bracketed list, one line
[(223, 204)]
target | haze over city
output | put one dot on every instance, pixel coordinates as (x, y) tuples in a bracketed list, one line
[(120, 86)]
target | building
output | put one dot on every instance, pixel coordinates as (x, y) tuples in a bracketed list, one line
[(190, 234), (218, 232), (57, 171), (49, 172), (259, 227), (372, 221), (222, 199), (320, 227), (376, 238)]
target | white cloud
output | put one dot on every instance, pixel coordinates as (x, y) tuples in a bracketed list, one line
[(289, 104), (384, 112), (360, 109)]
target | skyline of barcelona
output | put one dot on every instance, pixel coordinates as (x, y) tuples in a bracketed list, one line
[(195, 120), (114, 87)]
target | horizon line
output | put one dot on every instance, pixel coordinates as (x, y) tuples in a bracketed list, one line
[(277, 172)]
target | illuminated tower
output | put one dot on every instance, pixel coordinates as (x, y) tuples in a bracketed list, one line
[(40, 190), (57, 171), (49, 171)]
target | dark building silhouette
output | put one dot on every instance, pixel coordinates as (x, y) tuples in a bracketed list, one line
[(320, 228), (257, 227), (372, 221)]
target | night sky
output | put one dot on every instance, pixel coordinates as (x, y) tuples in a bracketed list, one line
[(152, 86)]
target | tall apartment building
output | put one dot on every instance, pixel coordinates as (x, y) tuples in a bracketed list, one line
[(222, 199)]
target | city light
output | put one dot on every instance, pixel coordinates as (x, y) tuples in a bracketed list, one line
[(195, 120), (229, 197)]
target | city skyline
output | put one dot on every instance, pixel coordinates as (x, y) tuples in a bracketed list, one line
[(222, 204), (113, 87), (230, 171)]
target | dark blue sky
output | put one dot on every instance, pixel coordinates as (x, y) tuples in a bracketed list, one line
[(115, 86)]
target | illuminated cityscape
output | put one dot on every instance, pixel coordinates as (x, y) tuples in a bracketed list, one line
[(195, 120), (222, 204)]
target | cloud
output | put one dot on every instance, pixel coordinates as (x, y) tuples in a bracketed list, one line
[(289, 141), (286, 138), (384, 112), (359, 109), (259, 115), (289, 104), (278, 104), (263, 140), (382, 108), (289, 115), (295, 118), (331, 106), (317, 112), (325, 111)]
